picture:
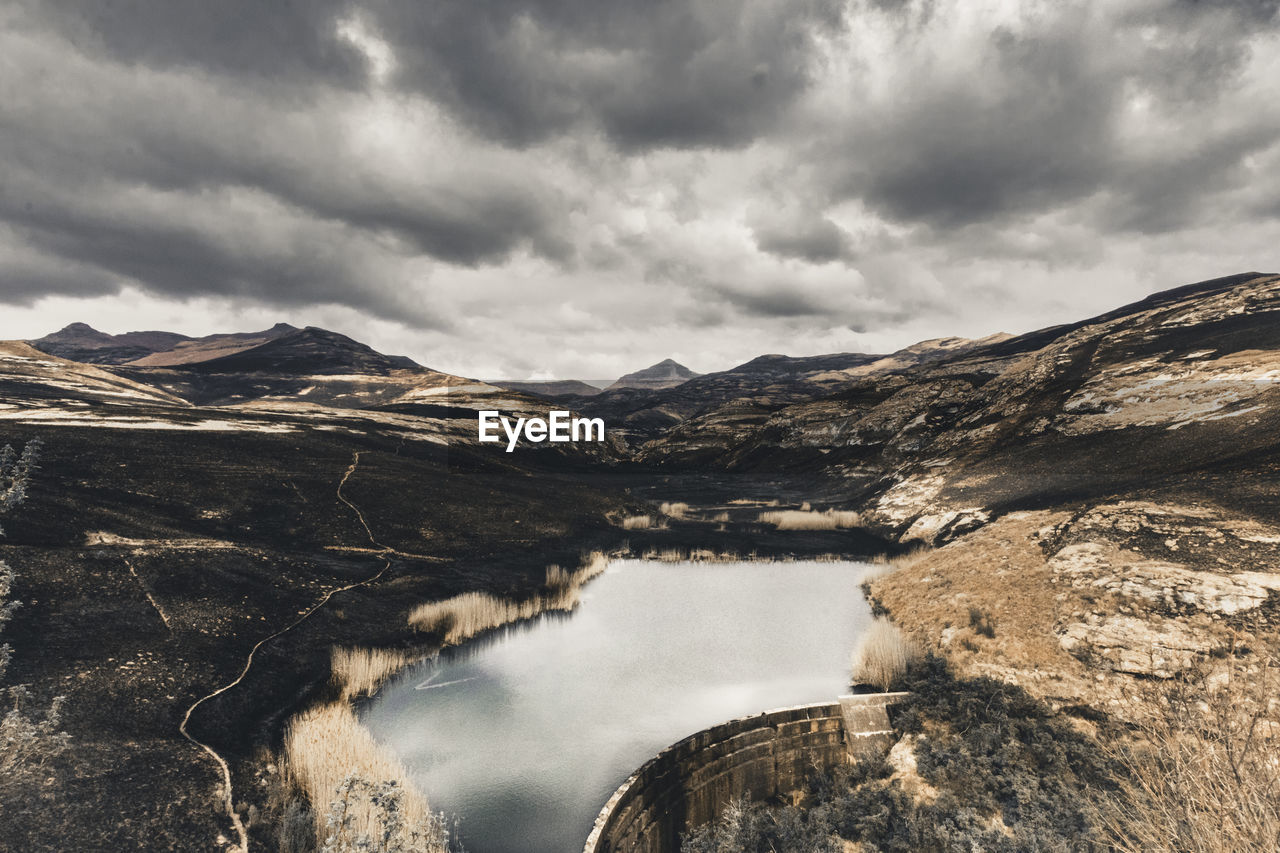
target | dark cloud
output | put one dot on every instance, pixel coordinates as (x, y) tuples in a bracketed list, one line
[(694, 73), (280, 42), (812, 238), (684, 164), (1040, 121)]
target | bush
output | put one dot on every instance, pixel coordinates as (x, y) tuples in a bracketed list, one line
[(982, 623)]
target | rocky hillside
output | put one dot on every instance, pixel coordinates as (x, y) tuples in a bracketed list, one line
[(747, 394), (1104, 496)]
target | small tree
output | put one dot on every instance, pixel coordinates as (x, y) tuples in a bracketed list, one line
[(27, 743)]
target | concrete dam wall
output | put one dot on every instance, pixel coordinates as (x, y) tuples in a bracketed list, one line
[(757, 757)]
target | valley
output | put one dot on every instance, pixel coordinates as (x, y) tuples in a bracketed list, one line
[(1085, 513)]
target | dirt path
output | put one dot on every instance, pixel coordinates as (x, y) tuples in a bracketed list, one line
[(242, 834)]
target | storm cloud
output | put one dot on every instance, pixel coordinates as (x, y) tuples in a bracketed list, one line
[(684, 177)]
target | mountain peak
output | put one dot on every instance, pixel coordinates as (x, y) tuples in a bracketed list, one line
[(665, 374)]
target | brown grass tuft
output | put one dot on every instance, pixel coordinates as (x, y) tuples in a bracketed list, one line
[(643, 522), (882, 655), (677, 509)]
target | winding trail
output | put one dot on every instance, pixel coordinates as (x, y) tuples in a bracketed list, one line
[(228, 799)]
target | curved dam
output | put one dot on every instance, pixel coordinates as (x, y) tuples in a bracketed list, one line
[(758, 757)]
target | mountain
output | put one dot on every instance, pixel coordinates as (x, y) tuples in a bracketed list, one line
[(309, 351), (1149, 393), (549, 388), (193, 350), (83, 343), (754, 389), (665, 374)]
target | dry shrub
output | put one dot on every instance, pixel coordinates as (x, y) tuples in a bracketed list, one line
[(1204, 770), (795, 519), (882, 655), (720, 517), (360, 672), (327, 746), (471, 613), (677, 509)]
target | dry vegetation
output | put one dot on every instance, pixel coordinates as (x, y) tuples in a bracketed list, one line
[(882, 655), (471, 613), (643, 522), (798, 519), (360, 672), (1204, 769), (327, 752), (678, 509)]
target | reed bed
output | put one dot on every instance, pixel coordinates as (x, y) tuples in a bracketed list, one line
[(799, 519), (471, 613), (326, 747), (360, 672), (882, 655)]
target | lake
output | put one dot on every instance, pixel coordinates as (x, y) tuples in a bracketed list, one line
[(527, 732)]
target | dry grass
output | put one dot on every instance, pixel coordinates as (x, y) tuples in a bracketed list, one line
[(643, 522), (471, 613), (678, 509), (1000, 569), (326, 745), (1204, 773), (360, 672), (882, 655), (901, 561), (798, 519), (720, 517)]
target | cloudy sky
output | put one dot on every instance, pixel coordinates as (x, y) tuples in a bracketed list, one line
[(583, 187)]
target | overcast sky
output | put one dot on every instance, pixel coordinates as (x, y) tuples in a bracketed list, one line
[(584, 187)]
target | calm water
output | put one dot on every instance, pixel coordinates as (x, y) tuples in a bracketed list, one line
[(527, 733)]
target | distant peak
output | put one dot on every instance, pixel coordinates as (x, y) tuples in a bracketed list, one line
[(283, 327), (664, 374), (80, 328)]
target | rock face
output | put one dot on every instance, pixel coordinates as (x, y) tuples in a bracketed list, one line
[(665, 374)]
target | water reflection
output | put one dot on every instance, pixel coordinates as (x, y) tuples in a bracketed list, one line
[(526, 733)]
